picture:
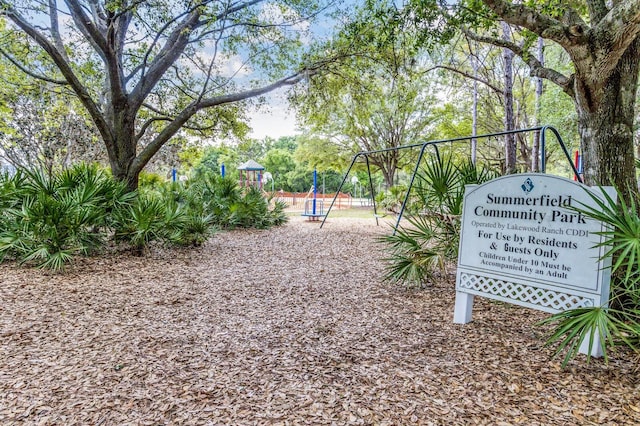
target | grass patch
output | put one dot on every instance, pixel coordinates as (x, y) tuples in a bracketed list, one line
[(354, 212)]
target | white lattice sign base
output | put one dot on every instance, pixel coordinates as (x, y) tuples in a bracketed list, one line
[(549, 300), (522, 242)]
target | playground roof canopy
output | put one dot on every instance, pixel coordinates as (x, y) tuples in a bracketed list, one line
[(250, 165)]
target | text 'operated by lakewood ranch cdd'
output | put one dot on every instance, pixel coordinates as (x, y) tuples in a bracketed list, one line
[(522, 243)]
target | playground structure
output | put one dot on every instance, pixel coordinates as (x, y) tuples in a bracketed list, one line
[(434, 145), (253, 174), (250, 174)]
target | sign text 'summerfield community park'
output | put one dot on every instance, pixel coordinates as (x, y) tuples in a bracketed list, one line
[(521, 244)]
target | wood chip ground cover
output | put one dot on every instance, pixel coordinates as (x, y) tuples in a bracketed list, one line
[(288, 326)]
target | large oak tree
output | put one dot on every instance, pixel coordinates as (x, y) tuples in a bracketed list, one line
[(144, 70), (602, 41)]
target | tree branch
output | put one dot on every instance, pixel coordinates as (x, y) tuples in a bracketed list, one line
[(175, 45), (543, 25), (29, 72), (536, 68), (105, 40), (64, 68), (148, 123), (97, 11), (159, 33), (165, 117), (467, 75), (172, 128), (162, 116), (597, 10), (55, 29), (615, 33), (170, 52), (87, 26)]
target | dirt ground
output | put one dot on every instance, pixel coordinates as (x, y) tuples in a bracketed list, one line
[(288, 326)]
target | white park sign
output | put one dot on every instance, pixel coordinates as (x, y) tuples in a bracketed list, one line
[(520, 244)]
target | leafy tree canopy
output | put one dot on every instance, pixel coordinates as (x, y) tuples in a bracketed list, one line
[(375, 98), (144, 70)]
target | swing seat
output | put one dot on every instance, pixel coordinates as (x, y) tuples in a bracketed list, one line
[(309, 211)]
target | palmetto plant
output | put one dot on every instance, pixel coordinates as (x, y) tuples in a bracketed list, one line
[(212, 196), (277, 215), (440, 187), (612, 327), (441, 182), (49, 218), (11, 188), (221, 200), (392, 199), (185, 221), (430, 239), (251, 210), (618, 323), (418, 250), (145, 221), (196, 228)]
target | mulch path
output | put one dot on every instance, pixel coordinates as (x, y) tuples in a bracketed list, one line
[(288, 326)]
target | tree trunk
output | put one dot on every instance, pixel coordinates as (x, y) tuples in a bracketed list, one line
[(388, 173), (606, 116), (605, 54), (122, 171), (535, 151), (509, 139), (474, 124), (387, 162), (122, 149)]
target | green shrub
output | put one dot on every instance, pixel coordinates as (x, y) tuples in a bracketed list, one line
[(196, 228), (48, 219), (142, 222), (228, 207), (431, 239), (250, 211), (441, 182), (150, 180), (618, 323), (420, 249), (391, 200), (170, 214), (187, 213), (277, 215)]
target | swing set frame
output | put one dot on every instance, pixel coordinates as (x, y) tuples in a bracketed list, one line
[(434, 145)]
